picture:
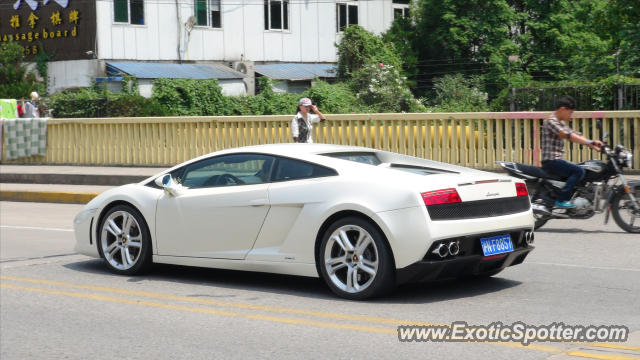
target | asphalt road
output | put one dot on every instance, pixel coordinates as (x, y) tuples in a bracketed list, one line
[(56, 305)]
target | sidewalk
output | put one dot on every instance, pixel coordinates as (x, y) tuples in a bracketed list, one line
[(75, 175), (65, 184)]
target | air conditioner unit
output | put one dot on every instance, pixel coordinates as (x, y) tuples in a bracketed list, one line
[(246, 67)]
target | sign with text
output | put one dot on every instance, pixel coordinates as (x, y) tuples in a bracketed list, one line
[(66, 29)]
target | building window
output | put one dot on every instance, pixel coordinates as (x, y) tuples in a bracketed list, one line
[(208, 13), (128, 11), (276, 15), (400, 12), (346, 15), (400, 9)]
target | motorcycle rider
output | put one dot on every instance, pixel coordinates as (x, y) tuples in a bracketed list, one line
[(554, 131)]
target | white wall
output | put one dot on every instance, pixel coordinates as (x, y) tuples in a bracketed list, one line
[(233, 87), (72, 73), (311, 38)]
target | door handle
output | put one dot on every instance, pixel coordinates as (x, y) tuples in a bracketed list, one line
[(259, 202)]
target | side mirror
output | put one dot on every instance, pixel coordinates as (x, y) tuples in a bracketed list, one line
[(605, 135), (599, 125), (164, 181), (170, 186)]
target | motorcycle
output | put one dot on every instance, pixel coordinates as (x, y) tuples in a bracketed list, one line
[(621, 200)]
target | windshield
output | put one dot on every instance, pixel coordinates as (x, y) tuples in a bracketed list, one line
[(368, 158)]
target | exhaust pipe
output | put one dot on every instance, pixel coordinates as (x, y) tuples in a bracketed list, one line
[(528, 237), (454, 248), (441, 250)]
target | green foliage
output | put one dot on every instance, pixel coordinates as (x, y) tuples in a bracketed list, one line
[(189, 97), (384, 89), (130, 85), (358, 48), (469, 36), (401, 35), (15, 83), (618, 21), (601, 96), (42, 60), (100, 102), (556, 40), (334, 98), (454, 93)]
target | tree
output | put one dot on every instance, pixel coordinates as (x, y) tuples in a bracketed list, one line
[(401, 36), (467, 36), (619, 22), (13, 82), (558, 40), (358, 48)]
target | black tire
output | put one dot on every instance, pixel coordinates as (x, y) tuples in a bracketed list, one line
[(484, 275), (384, 280), (142, 255), (615, 212), (540, 223)]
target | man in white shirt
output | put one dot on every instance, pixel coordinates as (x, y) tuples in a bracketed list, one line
[(302, 124)]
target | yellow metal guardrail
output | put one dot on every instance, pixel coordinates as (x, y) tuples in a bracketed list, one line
[(467, 139)]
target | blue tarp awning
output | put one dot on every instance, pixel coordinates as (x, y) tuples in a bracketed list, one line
[(176, 71), (295, 71)]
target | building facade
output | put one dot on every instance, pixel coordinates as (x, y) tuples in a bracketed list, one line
[(85, 36)]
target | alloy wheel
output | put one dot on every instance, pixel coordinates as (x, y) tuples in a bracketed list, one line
[(351, 258), (121, 240)]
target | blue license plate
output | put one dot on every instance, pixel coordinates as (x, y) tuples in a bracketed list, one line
[(496, 245)]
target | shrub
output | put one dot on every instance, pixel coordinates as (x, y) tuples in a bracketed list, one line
[(15, 83), (383, 89), (454, 93)]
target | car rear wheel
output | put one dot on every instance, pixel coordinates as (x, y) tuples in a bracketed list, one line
[(355, 260), (124, 241)]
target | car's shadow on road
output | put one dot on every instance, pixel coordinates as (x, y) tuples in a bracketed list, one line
[(304, 287)]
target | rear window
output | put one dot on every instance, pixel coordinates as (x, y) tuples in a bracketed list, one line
[(359, 157)]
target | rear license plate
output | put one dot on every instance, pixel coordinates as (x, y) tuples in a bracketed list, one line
[(496, 245)]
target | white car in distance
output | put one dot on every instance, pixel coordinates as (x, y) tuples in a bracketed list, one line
[(364, 220)]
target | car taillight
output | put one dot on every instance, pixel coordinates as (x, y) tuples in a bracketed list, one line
[(521, 190), (446, 196)]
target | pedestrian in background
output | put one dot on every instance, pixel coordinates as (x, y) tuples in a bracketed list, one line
[(302, 124)]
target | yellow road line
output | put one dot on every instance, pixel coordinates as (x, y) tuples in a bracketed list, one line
[(244, 306), (614, 346), (221, 303), (200, 310), (600, 356)]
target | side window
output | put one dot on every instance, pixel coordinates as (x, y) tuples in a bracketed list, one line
[(288, 169), (228, 170)]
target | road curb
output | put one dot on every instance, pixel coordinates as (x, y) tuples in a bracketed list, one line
[(60, 197)]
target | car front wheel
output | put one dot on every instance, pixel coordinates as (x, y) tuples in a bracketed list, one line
[(356, 261), (124, 241)]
